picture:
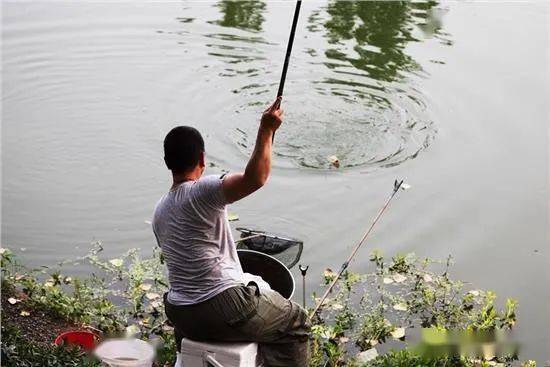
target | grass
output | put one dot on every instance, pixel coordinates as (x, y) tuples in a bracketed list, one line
[(367, 321)]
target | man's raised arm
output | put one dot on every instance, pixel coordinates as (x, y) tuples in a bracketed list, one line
[(239, 185)]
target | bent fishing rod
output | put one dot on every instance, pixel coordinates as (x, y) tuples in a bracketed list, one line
[(396, 186), (289, 50)]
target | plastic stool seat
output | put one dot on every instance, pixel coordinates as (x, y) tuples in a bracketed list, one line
[(218, 354)]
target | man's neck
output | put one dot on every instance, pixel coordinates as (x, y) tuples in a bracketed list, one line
[(179, 178)]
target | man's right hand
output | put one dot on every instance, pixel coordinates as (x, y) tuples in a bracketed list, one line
[(272, 117), (239, 185)]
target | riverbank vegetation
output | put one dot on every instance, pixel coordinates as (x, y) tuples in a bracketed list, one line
[(372, 319)]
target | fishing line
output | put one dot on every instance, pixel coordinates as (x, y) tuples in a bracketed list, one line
[(396, 186)]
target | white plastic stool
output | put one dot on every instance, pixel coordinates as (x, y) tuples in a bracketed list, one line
[(201, 354)]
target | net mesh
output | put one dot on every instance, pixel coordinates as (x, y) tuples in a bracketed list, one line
[(286, 250)]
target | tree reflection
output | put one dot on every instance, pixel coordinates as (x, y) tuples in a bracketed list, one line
[(380, 31), (243, 14)]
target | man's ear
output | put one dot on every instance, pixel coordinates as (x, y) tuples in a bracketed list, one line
[(202, 160)]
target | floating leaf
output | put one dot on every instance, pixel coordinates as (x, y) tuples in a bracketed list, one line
[(367, 355), (145, 286), (147, 222), (337, 307), (116, 262), (399, 278), (398, 333), (334, 161), (132, 330), (49, 284), (488, 351), (152, 296), (156, 304), (405, 186), (388, 280), (325, 302), (167, 328), (400, 307), (232, 217), (25, 313), (19, 277), (328, 273), (13, 301), (343, 339), (428, 278)]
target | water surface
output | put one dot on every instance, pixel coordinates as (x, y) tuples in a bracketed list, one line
[(451, 96)]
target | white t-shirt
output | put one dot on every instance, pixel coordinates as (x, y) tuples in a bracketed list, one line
[(191, 227)]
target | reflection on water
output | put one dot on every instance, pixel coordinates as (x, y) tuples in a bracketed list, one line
[(380, 31), (352, 82), (240, 51), (90, 89), (244, 14)]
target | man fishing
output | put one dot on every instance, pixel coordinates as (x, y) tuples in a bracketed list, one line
[(209, 299)]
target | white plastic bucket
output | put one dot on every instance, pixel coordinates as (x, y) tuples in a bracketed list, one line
[(125, 353)]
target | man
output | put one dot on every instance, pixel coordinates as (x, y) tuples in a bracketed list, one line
[(208, 299)]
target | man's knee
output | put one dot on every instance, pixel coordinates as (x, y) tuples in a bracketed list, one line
[(301, 324)]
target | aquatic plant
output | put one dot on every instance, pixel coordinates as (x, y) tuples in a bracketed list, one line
[(121, 296), (365, 311), (398, 296)]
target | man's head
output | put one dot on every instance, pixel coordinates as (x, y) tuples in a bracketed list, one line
[(184, 150)]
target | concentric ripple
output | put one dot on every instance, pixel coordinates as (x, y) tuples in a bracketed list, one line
[(382, 133), (353, 90)]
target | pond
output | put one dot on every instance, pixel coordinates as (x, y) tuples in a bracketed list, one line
[(450, 96)]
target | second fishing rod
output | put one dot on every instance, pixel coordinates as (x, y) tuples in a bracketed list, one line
[(396, 186)]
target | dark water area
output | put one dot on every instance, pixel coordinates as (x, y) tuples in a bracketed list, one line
[(451, 96)]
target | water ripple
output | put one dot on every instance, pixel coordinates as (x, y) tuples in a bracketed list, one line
[(354, 95)]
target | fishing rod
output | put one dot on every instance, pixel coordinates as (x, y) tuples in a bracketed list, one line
[(289, 47), (396, 186), (289, 50)]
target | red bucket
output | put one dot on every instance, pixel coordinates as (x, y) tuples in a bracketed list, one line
[(84, 339)]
